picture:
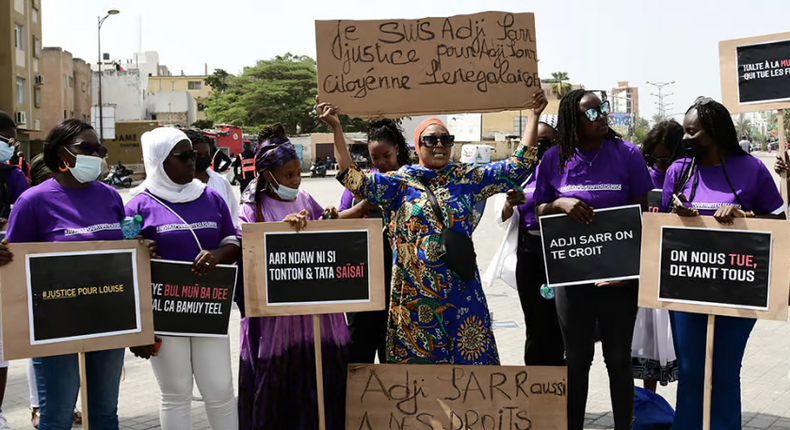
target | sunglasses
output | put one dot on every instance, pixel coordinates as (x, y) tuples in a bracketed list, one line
[(185, 156), (593, 114), (89, 149), (432, 141), (653, 160)]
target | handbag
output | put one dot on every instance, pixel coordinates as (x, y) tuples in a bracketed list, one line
[(456, 249)]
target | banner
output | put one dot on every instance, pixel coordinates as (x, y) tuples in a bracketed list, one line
[(444, 396), (465, 63), (186, 304), (75, 296), (764, 72), (728, 268), (605, 250)]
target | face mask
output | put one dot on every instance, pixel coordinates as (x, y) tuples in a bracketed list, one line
[(543, 146), (692, 147), (6, 152), (86, 169), (202, 164), (285, 193)]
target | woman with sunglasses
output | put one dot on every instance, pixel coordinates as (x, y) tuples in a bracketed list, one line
[(436, 314), (72, 207), (190, 222), (717, 178), (593, 168)]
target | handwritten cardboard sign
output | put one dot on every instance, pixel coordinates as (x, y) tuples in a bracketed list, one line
[(464, 63), (332, 266), (755, 73), (698, 265), (444, 396)]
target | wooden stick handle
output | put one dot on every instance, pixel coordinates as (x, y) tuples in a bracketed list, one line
[(780, 128), (708, 373), (319, 372), (84, 391)]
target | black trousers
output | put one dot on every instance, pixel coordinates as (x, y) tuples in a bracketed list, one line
[(368, 330), (543, 346), (578, 307)]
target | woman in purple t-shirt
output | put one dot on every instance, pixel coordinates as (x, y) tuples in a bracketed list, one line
[(190, 222), (592, 167), (718, 178)]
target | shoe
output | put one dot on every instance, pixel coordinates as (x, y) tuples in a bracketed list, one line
[(3, 422), (34, 417), (77, 418)]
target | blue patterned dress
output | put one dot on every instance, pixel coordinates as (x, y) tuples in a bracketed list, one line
[(434, 316)]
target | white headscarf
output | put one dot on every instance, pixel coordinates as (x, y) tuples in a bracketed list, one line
[(157, 145)]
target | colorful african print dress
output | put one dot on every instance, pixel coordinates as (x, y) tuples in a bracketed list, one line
[(435, 317)]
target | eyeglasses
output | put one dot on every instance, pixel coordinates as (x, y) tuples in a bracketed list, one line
[(653, 160), (432, 141), (10, 141), (185, 156), (90, 149), (593, 114)]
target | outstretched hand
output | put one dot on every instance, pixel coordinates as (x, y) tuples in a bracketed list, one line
[(327, 113)]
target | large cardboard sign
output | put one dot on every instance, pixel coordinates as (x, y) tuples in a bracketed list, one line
[(755, 73), (63, 298), (605, 250), (186, 304), (698, 265), (444, 396), (333, 266), (465, 63)]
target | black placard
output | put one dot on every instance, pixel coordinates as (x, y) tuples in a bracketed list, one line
[(654, 200), (81, 295), (764, 72), (607, 249), (715, 267), (186, 304), (317, 267)]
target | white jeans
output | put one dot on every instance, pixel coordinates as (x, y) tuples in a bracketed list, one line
[(31, 384), (208, 359)]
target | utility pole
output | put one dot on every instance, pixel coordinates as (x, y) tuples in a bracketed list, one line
[(101, 72), (661, 95)]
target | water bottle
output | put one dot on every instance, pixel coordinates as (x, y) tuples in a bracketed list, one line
[(547, 292), (131, 227)]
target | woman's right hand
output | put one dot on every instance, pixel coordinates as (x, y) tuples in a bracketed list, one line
[(146, 351), (682, 210), (539, 103), (781, 164), (515, 198), (327, 113), (576, 209), (6, 256), (299, 220)]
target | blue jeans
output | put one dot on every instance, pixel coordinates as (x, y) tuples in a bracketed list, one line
[(58, 382), (689, 332)]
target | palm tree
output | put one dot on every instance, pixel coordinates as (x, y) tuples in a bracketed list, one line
[(560, 84), (657, 118), (743, 126)]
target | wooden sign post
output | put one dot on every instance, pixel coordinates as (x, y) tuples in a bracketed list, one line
[(698, 265), (330, 267)]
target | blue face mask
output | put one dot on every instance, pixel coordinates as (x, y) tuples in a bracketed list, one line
[(6, 152), (285, 193)]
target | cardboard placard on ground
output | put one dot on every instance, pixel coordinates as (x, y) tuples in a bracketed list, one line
[(444, 396), (465, 63), (714, 292), (186, 304), (755, 73), (605, 250), (69, 297), (332, 266)]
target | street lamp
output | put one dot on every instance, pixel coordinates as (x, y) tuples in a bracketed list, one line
[(101, 72), (660, 95)]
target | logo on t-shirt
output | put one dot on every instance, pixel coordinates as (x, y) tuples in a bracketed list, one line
[(712, 206), (529, 190), (92, 229), (594, 187), (182, 226)]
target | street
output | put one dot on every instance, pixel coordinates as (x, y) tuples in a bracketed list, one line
[(765, 383)]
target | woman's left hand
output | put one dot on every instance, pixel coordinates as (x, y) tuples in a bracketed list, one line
[(6, 256), (330, 213), (151, 245), (539, 102), (727, 213), (204, 263)]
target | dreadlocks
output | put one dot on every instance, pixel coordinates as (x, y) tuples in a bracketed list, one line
[(566, 125)]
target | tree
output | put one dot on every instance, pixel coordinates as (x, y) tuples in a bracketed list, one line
[(641, 128), (743, 126), (560, 84), (218, 81), (203, 124), (657, 118)]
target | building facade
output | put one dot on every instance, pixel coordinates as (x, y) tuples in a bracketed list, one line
[(625, 99), (194, 85), (20, 65)]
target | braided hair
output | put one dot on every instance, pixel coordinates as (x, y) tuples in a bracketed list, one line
[(387, 130), (196, 137), (567, 116)]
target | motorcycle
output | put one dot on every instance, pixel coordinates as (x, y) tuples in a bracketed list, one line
[(318, 170), (119, 177)]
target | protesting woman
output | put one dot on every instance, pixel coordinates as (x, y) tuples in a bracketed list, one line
[(438, 312), (203, 171), (718, 178), (519, 261), (72, 207), (277, 385), (388, 152), (190, 223), (592, 167), (652, 352)]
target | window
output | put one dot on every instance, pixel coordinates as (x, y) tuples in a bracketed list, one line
[(36, 4), (71, 82), (36, 47), (201, 107), (37, 95), (194, 85), (19, 37), (65, 114), (65, 81), (20, 91)]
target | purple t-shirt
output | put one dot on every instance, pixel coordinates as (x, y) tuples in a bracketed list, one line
[(617, 175), (208, 216), (657, 177), (17, 183), (748, 175), (51, 212), (527, 210)]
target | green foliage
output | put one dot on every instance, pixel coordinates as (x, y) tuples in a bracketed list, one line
[(203, 124), (641, 128), (218, 81), (560, 84)]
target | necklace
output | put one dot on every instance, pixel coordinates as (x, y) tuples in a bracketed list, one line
[(590, 162)]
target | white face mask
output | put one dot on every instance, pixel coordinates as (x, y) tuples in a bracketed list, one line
[(286, 193), (86, 169), (6, 152)]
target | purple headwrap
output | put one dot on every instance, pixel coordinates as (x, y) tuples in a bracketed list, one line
[(274, 152)]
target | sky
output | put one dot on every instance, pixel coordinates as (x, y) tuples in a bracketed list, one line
[(597, 42)]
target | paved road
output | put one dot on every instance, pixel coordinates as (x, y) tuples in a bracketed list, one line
[(766, 387)]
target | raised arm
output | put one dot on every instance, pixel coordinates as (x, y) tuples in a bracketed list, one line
[(328, 114)]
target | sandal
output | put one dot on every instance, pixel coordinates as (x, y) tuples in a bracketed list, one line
[(34, 417), (77, 417)]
